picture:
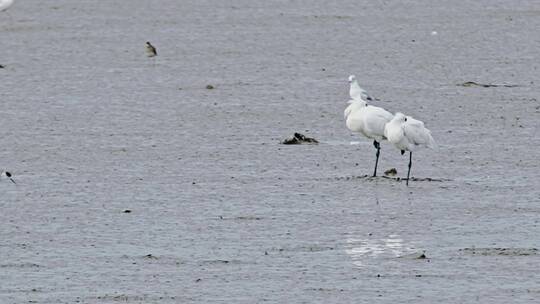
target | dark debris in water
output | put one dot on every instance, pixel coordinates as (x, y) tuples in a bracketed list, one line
[(221, 262), (390, 172), (21, 265), (483, 85), (421, 255), (151, 256), (242, 218), (304, 248), (299, 139), (497, 251)]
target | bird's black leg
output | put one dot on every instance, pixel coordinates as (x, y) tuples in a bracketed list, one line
[(410, 165), (378, 147)]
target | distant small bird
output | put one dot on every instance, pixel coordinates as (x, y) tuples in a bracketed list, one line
[(150, 50), (369, 121), (6, 175), (5, 4), (356, 92), (408, 134)]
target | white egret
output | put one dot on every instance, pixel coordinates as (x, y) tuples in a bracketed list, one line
[(369, 121), (408, 134)]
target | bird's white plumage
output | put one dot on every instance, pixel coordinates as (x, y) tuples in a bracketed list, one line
[(5, 4), (355, 91), (366, 119), (407, 133)]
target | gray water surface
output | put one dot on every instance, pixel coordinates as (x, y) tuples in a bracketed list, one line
[(220, 211)]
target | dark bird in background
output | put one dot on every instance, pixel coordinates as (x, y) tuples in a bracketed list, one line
[(150, 50), (6, 175)]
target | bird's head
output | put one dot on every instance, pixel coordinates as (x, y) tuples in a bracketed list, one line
[(400, 117), (352, 78)]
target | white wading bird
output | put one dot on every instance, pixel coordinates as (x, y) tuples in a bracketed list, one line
[(5, 4), (356, 91), (369, 121), (408, 134), (6, 175)]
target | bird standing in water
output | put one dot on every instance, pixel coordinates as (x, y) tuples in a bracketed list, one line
[(6, 175), (150, 50), (369, 121), (356, 92), (408, 134)]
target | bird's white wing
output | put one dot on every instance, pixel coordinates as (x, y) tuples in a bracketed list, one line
[(364, 94), (376, 119), (417, 134), (357, 92)]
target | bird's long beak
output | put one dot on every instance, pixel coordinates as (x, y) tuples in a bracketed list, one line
[(11, 179)]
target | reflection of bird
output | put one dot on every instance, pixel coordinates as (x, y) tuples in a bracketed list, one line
[(356, 91), (150, 50), (407, 134), (5, 4), (6, 175), (368, 120)]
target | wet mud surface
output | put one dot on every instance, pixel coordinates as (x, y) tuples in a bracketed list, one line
[(219, 210)]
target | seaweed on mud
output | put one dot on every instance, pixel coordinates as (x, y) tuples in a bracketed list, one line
[(299, 139), (390, 172), (500, 251), (484, 85), (399, 179)]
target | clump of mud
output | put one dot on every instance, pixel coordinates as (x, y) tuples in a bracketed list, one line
[(299, 139), (390, 172)]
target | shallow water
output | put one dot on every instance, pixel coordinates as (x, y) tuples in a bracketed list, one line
[(220, 211)]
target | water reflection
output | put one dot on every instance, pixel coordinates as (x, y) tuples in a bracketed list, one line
[(364, 251)]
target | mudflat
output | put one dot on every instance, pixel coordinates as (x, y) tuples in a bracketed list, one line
[(163, 180)]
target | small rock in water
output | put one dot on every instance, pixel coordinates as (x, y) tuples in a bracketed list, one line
[(210, 87), (127, 211), (415, 256), (298, 139), (1, 66), (390, 172)]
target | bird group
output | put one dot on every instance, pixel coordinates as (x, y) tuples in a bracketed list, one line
[(404, 132)]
